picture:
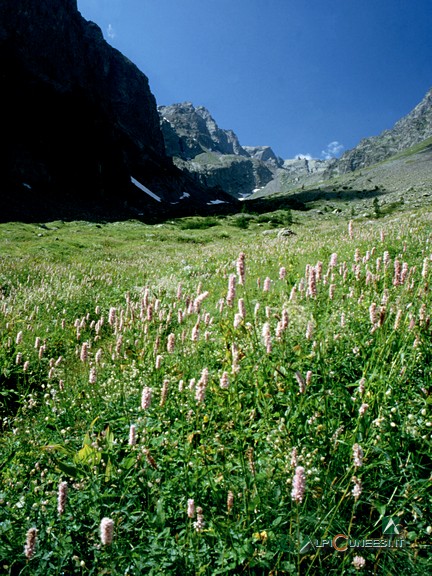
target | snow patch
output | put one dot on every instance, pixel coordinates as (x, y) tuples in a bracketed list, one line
[(184, 196), (144, 189), (215, 202)]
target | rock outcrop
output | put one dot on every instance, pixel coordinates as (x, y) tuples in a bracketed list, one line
[(79, 121), (265, 154), (295, 173), (189, 131), (408, 131), (213, 156), (235, 175)]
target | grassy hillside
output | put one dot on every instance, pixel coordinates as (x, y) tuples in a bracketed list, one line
[(405, 178), (208, 429)]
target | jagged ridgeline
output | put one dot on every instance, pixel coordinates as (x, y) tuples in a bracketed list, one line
[(84, 137), (215, 157), (80, 123)]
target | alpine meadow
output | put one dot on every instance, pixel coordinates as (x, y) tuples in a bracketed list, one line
[(205, 398)]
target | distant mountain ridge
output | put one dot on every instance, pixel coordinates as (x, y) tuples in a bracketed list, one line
[(215, 157), (408, 131), (413, 129)]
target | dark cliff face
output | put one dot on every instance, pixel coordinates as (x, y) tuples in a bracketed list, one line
[(51, 39), (78, 120)]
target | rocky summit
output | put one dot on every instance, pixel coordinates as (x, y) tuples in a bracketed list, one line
[(189, 131), (80, 123), (213, 156), (265, 154)]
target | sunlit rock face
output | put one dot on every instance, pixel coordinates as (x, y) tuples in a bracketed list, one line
[(212, 155), (412, 129)]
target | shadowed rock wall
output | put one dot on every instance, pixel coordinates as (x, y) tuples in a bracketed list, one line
[(78, 120)]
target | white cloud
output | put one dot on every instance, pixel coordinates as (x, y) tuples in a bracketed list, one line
[(110, 32), (332, 150)]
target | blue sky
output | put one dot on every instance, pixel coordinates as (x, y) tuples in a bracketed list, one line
[(305, 77)]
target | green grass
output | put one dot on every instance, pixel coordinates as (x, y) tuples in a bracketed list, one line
[(57, 426), (422, 146), (198, 223), (212, 158)]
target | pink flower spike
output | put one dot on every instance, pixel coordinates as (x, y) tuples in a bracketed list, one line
[(191, 508), (61, 500), (146, 398), (357, 490), (241, 268), (301, 382), (363, 409), (224, 381), (231, 290), (132, 435), (357, 455), (107, 531), (299, 484), (30, 545)]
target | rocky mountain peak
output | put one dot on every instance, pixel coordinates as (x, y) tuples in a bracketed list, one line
[(212, 155), (189, 131), (408, 131)]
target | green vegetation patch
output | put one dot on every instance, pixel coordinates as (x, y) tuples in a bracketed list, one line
[(198, 223)]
